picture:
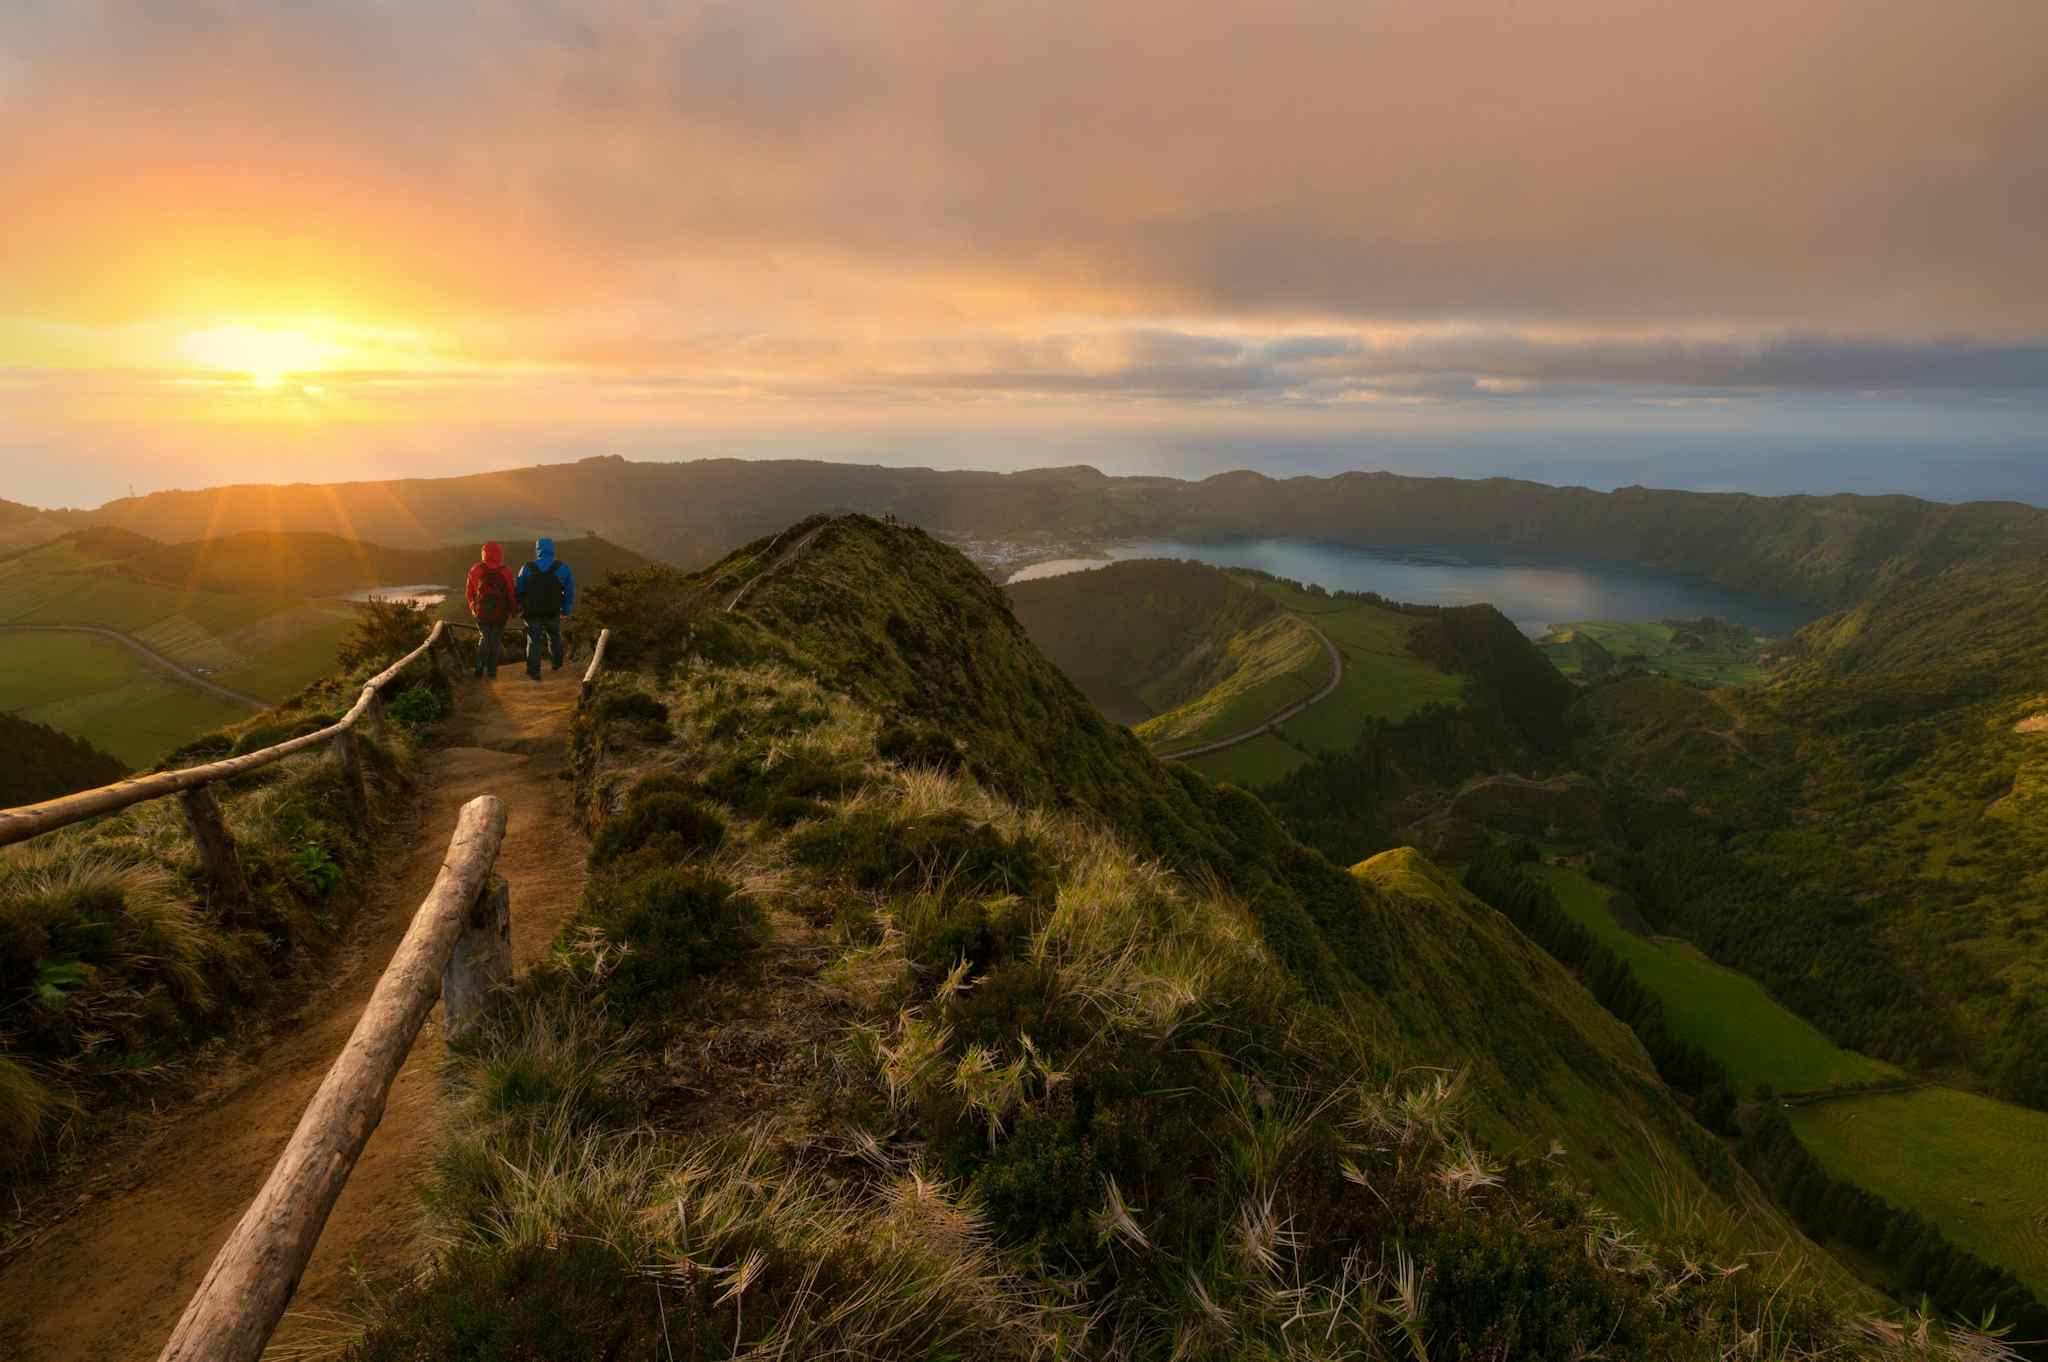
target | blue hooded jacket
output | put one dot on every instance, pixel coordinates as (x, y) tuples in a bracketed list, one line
[(544, 561)]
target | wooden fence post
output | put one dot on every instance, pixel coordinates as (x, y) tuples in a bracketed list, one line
[(482, 958), (350, 758), (375, 714), (217, 854)]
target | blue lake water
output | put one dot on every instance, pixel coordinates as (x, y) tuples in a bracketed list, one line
[(1533, 590)]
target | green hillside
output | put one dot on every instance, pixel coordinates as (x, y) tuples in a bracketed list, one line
[(1146, 638), (37, 762), (1862, 836), (915, 1011)]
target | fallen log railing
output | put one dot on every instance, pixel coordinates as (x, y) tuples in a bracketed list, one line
[(590, 673), (217, 855), (458, 946)]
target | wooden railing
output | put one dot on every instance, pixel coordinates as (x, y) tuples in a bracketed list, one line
[(589, 687), (458, 946), (217, 856)]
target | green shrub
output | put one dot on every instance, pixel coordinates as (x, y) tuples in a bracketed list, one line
[(666, 825), (877, 853), (384, 631), (417, 709), (312, 871), (749, 783), (672, 925)]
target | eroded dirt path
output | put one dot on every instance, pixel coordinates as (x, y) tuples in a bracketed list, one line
[(110, 1280)]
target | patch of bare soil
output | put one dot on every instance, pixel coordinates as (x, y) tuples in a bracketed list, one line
[(2033, 723), (109, 1280)]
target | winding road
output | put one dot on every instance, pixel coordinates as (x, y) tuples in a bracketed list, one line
[(1279, 717), (177, 671)]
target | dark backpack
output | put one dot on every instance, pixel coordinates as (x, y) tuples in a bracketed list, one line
[(494, 597), (543, 592)]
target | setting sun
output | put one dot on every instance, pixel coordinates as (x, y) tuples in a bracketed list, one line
[(265, 356)]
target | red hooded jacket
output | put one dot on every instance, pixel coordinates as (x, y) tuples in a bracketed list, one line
[(493, 562)]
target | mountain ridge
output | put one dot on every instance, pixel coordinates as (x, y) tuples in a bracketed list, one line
[(1827, 550)]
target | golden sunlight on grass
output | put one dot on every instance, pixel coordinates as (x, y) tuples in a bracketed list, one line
[(265, 356)]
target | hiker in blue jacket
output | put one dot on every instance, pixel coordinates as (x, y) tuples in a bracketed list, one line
[(547, 594)]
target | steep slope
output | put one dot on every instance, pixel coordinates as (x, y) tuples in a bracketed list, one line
[(37, 763), (1179, 643), (1831, 550), (1549, 1063)]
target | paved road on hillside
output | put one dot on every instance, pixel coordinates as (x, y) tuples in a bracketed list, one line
[(177, 671), (1336, 676), (107, 1281)]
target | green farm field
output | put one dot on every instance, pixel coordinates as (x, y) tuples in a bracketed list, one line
[(1654, 646), (1727, 1014), (101, 691), (268, 646), (1975, 1167)]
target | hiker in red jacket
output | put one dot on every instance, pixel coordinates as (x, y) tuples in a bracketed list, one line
[(492, 603)]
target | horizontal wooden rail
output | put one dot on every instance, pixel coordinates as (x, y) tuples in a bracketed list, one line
[(604, 636), (32, 820), (459, 945)]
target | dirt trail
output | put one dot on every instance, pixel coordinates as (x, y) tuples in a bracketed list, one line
[(110, 1280)]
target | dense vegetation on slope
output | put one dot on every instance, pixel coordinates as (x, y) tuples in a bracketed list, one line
[(1865, 836), (1825, 549), (37, 763), (857, 1052)]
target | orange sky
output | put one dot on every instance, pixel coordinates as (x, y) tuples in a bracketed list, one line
[(1322, 214)]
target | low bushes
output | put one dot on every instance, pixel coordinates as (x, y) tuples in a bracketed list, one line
[(671, 925), (659, 826)]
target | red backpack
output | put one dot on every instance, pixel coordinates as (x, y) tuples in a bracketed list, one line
[(494, 597)]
